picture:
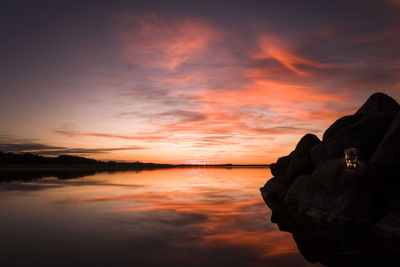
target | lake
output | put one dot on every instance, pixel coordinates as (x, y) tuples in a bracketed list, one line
[(167, 217)]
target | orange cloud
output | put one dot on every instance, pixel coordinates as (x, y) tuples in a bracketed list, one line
[(279, 101), (272, 47), (138, 136)]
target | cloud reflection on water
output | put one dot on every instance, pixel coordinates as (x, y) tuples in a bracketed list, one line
[(202, 216), (180, 217)]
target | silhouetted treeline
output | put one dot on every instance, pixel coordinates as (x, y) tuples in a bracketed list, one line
[(28, 166), (24, 161), (34, 159), (29, 158)]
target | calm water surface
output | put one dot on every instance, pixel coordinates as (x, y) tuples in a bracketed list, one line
[(174, 217)]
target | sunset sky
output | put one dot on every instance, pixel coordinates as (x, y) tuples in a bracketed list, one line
[(188, 81)]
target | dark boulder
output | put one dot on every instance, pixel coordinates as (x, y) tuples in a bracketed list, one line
[(388, 151), (387, 159), (274, 189), (379, 102), (316, 182), (279, 168), (301, 162), (326, 151), (302, 186), (376, 103), (388, 225), (336, 194), (341, 124), (365, 135)]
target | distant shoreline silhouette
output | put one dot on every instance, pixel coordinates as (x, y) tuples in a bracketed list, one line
[(28, 166)]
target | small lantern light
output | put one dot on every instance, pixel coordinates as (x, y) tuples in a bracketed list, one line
[(351, 156)]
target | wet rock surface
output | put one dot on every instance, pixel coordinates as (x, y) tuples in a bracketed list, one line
[(344, 246)]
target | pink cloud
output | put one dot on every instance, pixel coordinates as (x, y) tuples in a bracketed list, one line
[(138, 136), (153, 41), (272, 47)]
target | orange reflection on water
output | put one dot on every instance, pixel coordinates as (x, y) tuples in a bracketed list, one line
[(227, 202), (173, 217)]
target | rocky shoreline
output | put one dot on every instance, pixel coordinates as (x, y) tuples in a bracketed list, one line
[(314, 182)]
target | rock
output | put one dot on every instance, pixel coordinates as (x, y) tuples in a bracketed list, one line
[(326, 151), (279, 168), (297, 194), (388, 151), (297, 190), (339, 195), (365, 135), (314, 180), (274, 169), (301, 162), (274, 189), (341, 124), (390, 225), (379, 102), (333, 246), (392, 198)]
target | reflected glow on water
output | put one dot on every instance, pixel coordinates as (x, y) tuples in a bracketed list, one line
[(174, 217)]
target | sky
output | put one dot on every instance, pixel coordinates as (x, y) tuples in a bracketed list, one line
[(202, 82)]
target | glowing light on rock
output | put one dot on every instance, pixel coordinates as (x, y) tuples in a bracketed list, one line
[(351, 156)]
